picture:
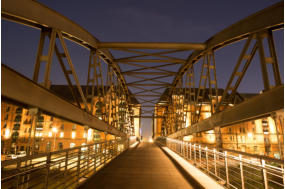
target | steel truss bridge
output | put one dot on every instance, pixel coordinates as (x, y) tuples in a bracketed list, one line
[(152, 86)]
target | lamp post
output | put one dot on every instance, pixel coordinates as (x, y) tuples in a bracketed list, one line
[(54, 130)]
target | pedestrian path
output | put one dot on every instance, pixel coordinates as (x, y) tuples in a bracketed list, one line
[(143, 167)]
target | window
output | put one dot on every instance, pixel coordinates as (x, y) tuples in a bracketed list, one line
[(72, 145), (74, 127), (255, 148), (6, 117), (62, 127), (16, 126), (5, 125), (19, 110), (60, 146), (230, 130), (18, 118), (8, 109), (40, 118), (15, 136), (48, 146)]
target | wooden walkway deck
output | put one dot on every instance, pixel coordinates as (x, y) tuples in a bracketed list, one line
[(142, 167)]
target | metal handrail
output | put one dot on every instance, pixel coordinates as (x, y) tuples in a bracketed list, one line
[(232, 171), (66, 168)]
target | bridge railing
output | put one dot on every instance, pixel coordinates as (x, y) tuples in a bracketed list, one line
[(230, 170), (60, 169)]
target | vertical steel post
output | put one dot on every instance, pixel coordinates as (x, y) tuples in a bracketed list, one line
[(88, 154), (190, 151), (200, 154), (18, 176), (241, 172), (227, 169), (66, 162), (264, 174), (215, 162), (48, 161), (207, 163), (195, 154), (187, 150), (78, 166)]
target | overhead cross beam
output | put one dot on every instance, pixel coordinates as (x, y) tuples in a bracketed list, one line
[(151, 45)]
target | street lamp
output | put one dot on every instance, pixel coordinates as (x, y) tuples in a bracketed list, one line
[(54, 130)]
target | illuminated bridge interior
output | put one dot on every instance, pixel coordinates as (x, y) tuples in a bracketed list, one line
[(72, 122)]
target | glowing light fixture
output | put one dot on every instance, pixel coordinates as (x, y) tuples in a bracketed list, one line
[(7, 133), (73, 134), (50, 134), (89, 134), (54, 129), (61, 135), (249, 135)]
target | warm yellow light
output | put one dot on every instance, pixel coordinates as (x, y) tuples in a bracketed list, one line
[(61, 135), (41, 134), (89, 134), (73, 134), (37, 135), (50, 134), (54, 129), (7, 133), (84, 135), (249, 135), (211, 131), (208, 114), (150, 140)]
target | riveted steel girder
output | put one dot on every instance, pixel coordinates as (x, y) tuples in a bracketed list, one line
[(19, 88), (34, 14), (152, 45), (251, 109), (269, 18)]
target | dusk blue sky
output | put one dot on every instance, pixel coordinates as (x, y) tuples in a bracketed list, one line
[(139, 21)]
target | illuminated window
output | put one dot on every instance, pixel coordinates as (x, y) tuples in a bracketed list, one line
[(73, 134), (61, 135), (73, 127), (60, 146), (72, 145)]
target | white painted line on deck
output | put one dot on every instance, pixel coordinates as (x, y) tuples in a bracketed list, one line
[(204, 180)]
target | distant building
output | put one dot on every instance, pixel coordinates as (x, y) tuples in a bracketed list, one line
[(262, 136), (47, 133)]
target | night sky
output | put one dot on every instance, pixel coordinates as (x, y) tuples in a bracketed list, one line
[(142, 21)]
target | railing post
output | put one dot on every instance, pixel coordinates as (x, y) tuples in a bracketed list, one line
[(215, 162), (187, 150), (18, 176), (78, 166), (182, 148), (88, 154), (227, 170), (95, 157), (200, 155), (66, 162), (241, 172), (195, 154), (207, 163), (264, 174), (190, 151), (48, 161)]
